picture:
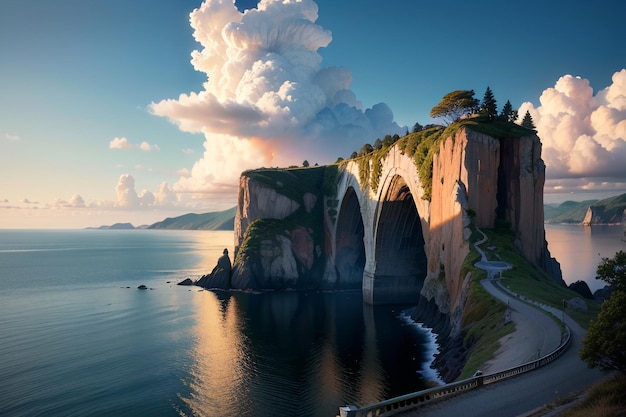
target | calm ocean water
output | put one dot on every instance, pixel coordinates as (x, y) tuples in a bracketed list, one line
[(78, 338), (579, 249)]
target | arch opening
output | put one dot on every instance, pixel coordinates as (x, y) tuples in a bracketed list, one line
[(350, 249), (401, 262)]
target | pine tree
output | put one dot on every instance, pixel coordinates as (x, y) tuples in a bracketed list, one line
[(489, 106), (508, 114), (528, 121)]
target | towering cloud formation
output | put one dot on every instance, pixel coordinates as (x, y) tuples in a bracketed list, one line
[(584, 136), (267, 100)]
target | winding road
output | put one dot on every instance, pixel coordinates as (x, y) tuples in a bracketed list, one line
[(536, 333), (524, 393)]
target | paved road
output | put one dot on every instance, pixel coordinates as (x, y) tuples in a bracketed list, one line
[(526, 392), (536, 334)]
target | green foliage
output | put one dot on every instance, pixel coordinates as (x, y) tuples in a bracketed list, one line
[(527, 122), (331, 173), (508, 114), (366, 149), (364, 171), (489, 105), (305, 163), (290, 182), (258, 231), (530, 280), (613, 271), (604, 345), (483, 318), (454, 105)]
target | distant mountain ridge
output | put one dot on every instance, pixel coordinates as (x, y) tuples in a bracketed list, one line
[(608, 211), (220, 220), (116, 226)]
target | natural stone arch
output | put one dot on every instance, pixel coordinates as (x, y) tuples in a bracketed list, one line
[(349, 246), (399, 249)]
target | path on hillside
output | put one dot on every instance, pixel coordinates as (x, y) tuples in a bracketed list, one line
[(536, 334), (521, 394)]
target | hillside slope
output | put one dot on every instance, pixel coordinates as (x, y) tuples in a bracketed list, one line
[(220, 220), (589, 212)]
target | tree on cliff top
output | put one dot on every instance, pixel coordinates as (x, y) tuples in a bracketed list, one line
[(508, 114), (527, 122), (454, 105), (489, 105)]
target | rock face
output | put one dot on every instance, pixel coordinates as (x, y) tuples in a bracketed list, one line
[(257, 201), (220, 277), (380, 234), (599, 215)]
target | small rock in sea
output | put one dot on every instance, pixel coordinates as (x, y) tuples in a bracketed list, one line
[(186, 281), (142, 287)]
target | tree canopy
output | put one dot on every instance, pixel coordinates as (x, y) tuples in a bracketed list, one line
[(613, 271), (508, 114), (454, 105), (604, 345), (489, 106), (527, 122)]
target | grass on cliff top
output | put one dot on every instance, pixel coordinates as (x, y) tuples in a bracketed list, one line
[(529, 280), (292, 182), (494, 128)]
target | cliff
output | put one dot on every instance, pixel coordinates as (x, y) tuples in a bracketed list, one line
[(475, 177), (607, 211), (396, 223), (279, 229)]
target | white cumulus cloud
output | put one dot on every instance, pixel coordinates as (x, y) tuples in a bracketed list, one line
[(120, 143), (267, 100), (583, 135), (124, 143)]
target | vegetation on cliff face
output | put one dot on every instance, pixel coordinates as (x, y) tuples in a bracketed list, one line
[(293, 183)]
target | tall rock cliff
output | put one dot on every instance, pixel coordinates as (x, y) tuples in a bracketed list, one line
[(366, 223)]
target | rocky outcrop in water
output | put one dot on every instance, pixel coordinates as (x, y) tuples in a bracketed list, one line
[(220, 276)]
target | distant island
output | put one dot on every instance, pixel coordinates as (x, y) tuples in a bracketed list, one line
[(117, 226), (219, 220), (589, 212)]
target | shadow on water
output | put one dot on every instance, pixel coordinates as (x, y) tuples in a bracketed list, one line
[(298, 353)]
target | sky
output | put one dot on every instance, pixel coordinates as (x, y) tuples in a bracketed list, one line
[(117, 111)]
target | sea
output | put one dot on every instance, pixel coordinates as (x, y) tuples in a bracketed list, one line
[(580, 249), (78, 338)]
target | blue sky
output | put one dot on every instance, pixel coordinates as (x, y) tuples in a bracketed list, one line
[(93, 127)]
